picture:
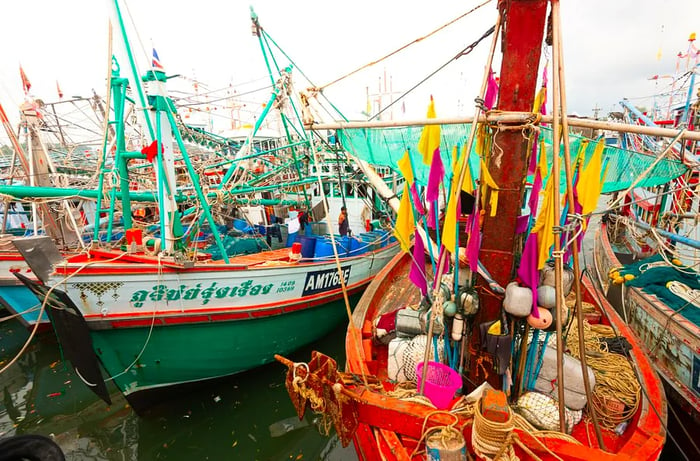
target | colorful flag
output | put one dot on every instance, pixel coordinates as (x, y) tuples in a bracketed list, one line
[(540, 104), (449, 231), (405, 167), (437, 172), (416, 199), (544, 225), (468, 181), (474, 242), (590, 182), (26, 85), (429, 140), (58, 89), (492, 188), (155, 63), (405, 223), (417, 274), (491, 92), (528, 273)]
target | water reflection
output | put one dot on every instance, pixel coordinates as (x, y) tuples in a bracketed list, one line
[(246, 417)]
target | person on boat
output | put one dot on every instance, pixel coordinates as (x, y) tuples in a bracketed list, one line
[(343, 224)]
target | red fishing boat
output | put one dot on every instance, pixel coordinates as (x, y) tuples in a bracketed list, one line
[(541, 369)]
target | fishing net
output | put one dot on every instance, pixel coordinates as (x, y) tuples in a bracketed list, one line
[(386, 146), (542, 411), (408, 354), (654, 276)]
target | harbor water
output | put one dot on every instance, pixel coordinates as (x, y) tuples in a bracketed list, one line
[(244, 417)]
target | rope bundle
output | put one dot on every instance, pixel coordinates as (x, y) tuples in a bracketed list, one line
[(491, 440), (616, 380)]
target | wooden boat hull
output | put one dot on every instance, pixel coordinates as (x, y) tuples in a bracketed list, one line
[(388, 425), (671, 341), (158, 327)]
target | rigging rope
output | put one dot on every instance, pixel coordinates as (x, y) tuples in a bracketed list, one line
[(370, 64)]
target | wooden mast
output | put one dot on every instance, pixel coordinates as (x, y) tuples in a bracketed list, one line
[(523, 30)]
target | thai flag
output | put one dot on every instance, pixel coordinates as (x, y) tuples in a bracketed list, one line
[(155, 64)]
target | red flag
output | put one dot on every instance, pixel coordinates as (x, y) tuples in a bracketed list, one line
[(58, 89), (26, 85), (151, 151)]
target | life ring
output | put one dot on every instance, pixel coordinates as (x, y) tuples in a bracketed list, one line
[(32, 447)]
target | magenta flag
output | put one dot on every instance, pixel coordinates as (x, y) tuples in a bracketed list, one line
[(417, 274), (417, 203), (527, 271), (474, 242), (491, 92), (437, 172)]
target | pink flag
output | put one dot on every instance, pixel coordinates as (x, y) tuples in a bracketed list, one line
[(527, 271), (491, 92), (417, 203), (437, 172), (417, 274), (474, 242)]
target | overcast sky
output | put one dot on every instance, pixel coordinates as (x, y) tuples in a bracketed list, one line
[(610, 47)]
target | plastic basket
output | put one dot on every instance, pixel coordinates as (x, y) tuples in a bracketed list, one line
[(441, 383)]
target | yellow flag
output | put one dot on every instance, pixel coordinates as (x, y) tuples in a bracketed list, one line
[(590, 183), (492, 186), (539, 100), (405, 225), (468, 182), (430, 137), (405, 168), (449, 228)]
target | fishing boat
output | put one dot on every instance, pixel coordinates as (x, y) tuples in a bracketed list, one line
[(645, 249), (490, 343), (159, 311), (38, 167)]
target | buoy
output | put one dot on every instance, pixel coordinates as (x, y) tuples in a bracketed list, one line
[(547, 296), (457, 327), (629, 277), (518, 300), (543, 322), (450, 308)]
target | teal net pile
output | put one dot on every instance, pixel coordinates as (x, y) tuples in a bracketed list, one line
[(386, 146), (654, 279)]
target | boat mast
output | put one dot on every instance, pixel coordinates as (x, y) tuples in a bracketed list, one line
[(523, 30)]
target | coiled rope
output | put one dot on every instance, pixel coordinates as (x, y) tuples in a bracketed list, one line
[(616, 381)]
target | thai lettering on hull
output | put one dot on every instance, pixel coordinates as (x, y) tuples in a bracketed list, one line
[(319, 281), (199, 292)]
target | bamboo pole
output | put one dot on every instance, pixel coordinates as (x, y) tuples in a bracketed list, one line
[(557, 253), (510, 118), (521, 361), (570, 198)]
